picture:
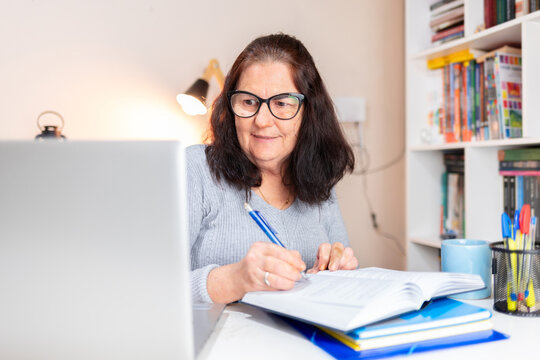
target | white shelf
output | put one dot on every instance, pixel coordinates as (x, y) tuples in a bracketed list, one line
[(427, 242), (503, 34), (487, 143), (424, 162)]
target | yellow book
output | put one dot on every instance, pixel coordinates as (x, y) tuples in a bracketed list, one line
[(410, 337), (459, 56)]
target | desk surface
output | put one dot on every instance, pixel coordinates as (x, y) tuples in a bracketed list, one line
[(244, 332)]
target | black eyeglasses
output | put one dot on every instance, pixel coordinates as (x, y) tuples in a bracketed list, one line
[(283, 106)]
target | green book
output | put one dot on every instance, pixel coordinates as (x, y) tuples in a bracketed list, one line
[(501, 11), (519, 154)]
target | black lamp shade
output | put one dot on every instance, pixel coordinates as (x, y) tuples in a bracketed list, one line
[(198, 90)]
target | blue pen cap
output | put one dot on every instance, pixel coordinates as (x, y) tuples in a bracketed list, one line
[(506, 225), (516, 224)]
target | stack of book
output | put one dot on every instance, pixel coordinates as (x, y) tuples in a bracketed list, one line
[(481, 95), (438, 322), (353, 313), (452, 191), (446, 20), (499, 11), (520, 171)]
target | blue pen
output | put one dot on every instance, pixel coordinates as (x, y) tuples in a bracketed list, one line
[(268, 230), (265, 226)]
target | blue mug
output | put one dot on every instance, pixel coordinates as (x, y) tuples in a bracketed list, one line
[(470, 257)]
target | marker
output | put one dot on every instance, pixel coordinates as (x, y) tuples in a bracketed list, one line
[(506, 225), (529, 293), (524, 223)]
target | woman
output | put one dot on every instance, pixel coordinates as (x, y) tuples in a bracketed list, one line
[(275, 143)]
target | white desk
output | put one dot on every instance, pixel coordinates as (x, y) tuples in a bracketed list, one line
[(244, 332)]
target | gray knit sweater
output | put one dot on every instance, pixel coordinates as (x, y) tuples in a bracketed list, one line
[(221, 230)]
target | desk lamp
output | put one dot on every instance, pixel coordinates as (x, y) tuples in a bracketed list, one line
[(193, 101)]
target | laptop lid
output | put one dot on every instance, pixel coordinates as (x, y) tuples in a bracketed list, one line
[(94, 260)]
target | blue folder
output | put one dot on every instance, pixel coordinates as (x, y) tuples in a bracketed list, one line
[(435, 314), (341, 351)]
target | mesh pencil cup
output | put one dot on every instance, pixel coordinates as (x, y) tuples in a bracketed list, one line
[(516, 280)]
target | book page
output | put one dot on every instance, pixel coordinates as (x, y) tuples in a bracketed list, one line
[(352, 292), (433, 284), (339, 302)]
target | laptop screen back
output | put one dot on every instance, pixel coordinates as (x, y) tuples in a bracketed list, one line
[(94, 251)]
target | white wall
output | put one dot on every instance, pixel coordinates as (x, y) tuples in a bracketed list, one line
[(112, 69)]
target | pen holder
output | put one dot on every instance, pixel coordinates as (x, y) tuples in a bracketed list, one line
[(516, 280)]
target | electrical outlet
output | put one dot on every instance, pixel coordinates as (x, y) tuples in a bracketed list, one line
[(351, 109)]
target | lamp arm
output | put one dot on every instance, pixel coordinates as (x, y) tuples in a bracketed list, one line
[(213, 69)]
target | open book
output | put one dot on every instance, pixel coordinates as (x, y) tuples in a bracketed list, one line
[(347, 299)]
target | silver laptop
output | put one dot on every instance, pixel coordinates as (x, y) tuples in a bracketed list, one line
[(94, 258)]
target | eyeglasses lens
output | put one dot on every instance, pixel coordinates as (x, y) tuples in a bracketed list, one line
[(283, 106)]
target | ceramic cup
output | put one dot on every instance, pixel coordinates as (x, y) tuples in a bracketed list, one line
[(471, 257)]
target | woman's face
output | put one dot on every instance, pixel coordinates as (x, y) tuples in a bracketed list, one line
[(265, 139)]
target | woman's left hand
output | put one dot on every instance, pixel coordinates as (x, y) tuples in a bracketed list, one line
[(334, 257)]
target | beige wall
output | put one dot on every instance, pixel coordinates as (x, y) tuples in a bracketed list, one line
[(112, 69)]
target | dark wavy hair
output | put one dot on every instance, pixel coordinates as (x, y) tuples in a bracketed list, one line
[(321, 155)]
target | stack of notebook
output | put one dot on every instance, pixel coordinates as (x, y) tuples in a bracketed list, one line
[(441, 323)]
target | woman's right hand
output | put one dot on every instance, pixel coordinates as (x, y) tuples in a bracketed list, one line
[(229, 283)]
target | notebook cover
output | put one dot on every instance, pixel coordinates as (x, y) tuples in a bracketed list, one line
[(438, 313), (341, 351)]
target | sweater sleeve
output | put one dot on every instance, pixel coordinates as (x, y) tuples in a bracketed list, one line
[(196, 172), (333, 222)]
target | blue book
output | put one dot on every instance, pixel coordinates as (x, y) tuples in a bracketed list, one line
[(519, 191), (436, 314), (440, 318), (339, 350)]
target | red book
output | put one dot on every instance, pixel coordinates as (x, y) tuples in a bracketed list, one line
[(489, 14), (445, 33), (457, 101), (466, 133)]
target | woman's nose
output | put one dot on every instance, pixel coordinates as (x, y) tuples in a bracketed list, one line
[(264, 117)]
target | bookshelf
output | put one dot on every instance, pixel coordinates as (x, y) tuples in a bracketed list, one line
[(424, 162)]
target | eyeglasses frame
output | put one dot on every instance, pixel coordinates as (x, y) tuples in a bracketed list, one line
[(300, 97)]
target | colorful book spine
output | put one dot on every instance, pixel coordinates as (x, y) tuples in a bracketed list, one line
[(491, 99), (464, 105), (508, 84), (449, 133), (484, 125), (471, 111), (446, 99), (457, 101)]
